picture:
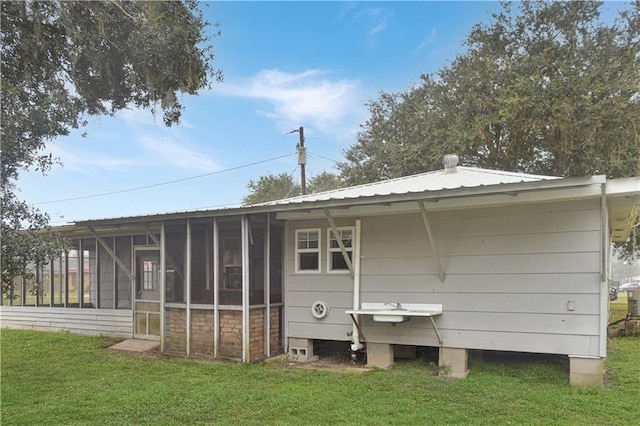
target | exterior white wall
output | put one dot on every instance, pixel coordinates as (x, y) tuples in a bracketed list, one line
[(110, 322), (523, 278), (302, 289)]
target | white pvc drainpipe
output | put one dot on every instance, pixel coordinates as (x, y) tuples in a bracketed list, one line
[(604, 266), (356, 345)]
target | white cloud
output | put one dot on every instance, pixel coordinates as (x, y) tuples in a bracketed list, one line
[(89, 163), (376, 18), (429, 40), (331, 106), (172, 152), (137, 116), (186, 124), (378, 28), (162, 145)]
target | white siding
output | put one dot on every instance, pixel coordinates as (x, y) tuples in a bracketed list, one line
[(511, 274), (109, 322)]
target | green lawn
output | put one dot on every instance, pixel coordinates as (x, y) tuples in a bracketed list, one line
[(619, 307), (60, 378)]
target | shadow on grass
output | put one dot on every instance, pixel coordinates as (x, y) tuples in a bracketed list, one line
[(530, 368)]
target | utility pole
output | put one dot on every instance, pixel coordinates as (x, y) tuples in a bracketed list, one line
[(302, 160)]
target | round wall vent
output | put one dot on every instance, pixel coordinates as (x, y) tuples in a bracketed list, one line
[(319, 309)]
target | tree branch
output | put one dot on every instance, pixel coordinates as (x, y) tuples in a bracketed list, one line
[(119, 6)]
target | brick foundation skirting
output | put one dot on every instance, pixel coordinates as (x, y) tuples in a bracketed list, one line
[(202, 332)]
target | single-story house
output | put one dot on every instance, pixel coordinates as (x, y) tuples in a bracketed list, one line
[(459, 259)]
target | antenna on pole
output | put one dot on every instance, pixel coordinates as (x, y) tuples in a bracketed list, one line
[(302, 159)]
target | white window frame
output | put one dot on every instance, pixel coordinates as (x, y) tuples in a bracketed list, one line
[(331, 250), (317, 250), (150, 277)]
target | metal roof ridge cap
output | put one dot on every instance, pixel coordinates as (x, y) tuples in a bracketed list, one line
[(561, 182), (313, 197), (508, 173), (300, 198)]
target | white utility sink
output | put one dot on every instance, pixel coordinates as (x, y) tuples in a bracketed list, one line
[(395, 312), (394, 316)]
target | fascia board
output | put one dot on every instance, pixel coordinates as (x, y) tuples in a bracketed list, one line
[(510, 198), (623, 202), (623, 187)]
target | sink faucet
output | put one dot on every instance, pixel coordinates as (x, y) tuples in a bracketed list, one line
[(394, 305)]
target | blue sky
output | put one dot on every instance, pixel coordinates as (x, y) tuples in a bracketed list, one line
[(286, 65)]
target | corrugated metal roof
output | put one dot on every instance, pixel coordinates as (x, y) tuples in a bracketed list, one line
[(463, 177)]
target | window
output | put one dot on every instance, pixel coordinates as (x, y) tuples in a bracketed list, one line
[(149, 275), (335, 258), (308, 250)]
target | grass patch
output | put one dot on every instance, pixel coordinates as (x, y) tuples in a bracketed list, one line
[(619, 307), (60, 378), (618, 324)]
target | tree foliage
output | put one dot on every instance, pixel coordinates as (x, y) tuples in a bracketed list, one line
[(271, 187), (547, 89), (275, 187), (65, 60), (324, 181)]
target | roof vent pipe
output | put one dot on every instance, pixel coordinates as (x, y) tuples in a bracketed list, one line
[(450, 161)]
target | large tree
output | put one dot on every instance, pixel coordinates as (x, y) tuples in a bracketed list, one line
[(548, 88), (65, 60), (271, 187), (274, 187), (324, 181)]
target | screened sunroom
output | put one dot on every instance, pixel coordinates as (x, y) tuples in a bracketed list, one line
[(201, 285)]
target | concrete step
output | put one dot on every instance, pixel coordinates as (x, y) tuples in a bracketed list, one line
[(136, 345)]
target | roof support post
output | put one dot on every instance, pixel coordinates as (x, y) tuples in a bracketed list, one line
[(163, 282), (188, 286), (343, 249), (216, 288), (432, 241), (111, 252), (267, 285), (80, 278), (284, 287), (245, 231)]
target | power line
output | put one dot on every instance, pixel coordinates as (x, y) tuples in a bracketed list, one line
[(164, 183), (326, 158), (292, 186)]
